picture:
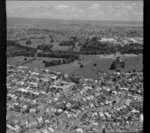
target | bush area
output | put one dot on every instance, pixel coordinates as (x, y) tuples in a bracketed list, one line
[(19, 50), (89, 47), (96, 47), (52, 63), (59, 62), (58, 54), (67, 43), (132, 48), (44, 47), (17, 45)]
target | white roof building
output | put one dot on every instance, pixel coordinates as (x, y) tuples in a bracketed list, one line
[(110, 40)]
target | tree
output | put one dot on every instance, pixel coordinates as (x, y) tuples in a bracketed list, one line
[(51, 39), (28, 42), (25, 59), (81, 66), (63, 61)]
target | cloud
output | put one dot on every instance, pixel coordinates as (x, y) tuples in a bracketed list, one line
[(62, 7), (99, 10), (94, 6)]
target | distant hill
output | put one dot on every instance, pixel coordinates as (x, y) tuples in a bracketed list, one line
[(59, 21)]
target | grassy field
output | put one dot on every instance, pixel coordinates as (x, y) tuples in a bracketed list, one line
[(88, 70), (16, 60), (38, 63), (103, 64)]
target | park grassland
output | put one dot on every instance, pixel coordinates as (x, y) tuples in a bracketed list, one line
[(103, 62)]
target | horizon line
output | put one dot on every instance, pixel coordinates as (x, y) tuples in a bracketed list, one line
[(75, 19)]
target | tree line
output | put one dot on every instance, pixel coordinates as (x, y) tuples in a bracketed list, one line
[(44, 47), (89, 47), (60, 61), (67, 43)]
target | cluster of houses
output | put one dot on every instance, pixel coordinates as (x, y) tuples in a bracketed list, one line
[(43, 101), (123, 41)]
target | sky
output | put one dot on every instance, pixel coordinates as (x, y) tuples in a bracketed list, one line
[(80, 10)]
